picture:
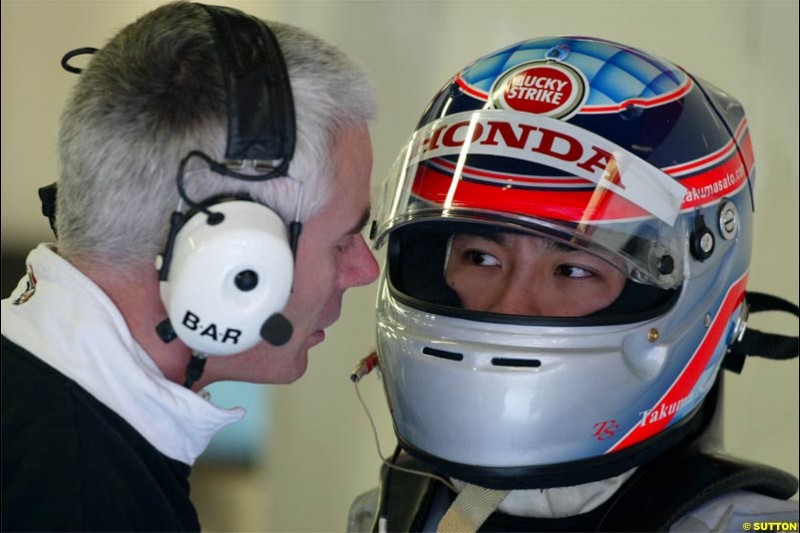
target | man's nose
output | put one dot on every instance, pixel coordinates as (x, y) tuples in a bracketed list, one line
[(360, 266)]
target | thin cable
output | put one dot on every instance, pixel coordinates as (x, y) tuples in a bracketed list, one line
[(385, 487), (223, 170), (194, 370), (296, 227), (179, 179), (299, 205), (72, 53), (380, 453)]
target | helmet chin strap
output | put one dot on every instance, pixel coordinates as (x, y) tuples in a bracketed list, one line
[(470, 509), (474, 504), (752, 342), (560, 502)]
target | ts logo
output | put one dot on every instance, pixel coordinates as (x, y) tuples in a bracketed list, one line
[(605, 430)]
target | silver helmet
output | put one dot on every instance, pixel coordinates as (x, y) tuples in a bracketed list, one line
[(606, 151)]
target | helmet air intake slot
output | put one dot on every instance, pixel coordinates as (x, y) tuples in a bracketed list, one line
[(442, 354), (518, 363)]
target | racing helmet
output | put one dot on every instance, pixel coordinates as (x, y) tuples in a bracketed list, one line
[(602, 148)]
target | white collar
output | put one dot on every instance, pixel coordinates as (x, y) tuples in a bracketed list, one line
[(71, 324), (559, 502)]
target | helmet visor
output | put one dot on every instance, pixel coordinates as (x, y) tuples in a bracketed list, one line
[(531, 173)]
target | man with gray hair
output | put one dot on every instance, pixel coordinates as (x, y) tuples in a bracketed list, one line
[(254, 131)]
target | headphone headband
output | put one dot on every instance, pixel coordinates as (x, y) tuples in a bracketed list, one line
[(261, 119)]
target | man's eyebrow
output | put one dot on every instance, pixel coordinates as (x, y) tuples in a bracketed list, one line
[(362, 222)]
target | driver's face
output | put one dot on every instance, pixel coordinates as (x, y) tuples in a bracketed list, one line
[(525, 275)]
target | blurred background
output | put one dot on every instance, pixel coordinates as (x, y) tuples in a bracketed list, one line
[(305, 451)]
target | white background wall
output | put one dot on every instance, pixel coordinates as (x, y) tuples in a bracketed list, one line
[(322, 454)]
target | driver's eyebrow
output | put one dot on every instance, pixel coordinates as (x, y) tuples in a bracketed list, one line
[(559, 246), (362, 222)]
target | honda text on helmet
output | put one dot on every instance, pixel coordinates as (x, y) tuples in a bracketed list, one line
[(640, 176)]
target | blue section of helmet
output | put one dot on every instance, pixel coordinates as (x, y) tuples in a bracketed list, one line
[(485, 71), (589, 65), (615, 84), (664, 135), (615, 73)]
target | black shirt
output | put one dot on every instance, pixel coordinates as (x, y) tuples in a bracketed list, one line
[(69, 463)]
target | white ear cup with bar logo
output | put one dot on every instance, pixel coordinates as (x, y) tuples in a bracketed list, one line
[(225, 280)]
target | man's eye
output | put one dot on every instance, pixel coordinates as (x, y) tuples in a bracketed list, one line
[(482, 259), (346, 243), (572, 271)]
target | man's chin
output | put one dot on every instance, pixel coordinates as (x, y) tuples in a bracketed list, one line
[(259, 366), (298, 367), (289, 370)]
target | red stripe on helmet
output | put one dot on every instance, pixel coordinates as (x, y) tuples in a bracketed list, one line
[(470, 90), (745, 146), (706, 161), (709, 186), (571, 205), (683, 385), (540, 197)]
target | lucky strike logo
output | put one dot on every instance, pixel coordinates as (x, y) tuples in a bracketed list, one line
[(542, 88)]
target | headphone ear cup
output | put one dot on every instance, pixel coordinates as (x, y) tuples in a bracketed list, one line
[(226, 279)]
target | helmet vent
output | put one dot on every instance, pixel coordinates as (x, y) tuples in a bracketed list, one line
[(527, 363), (442, 354)]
